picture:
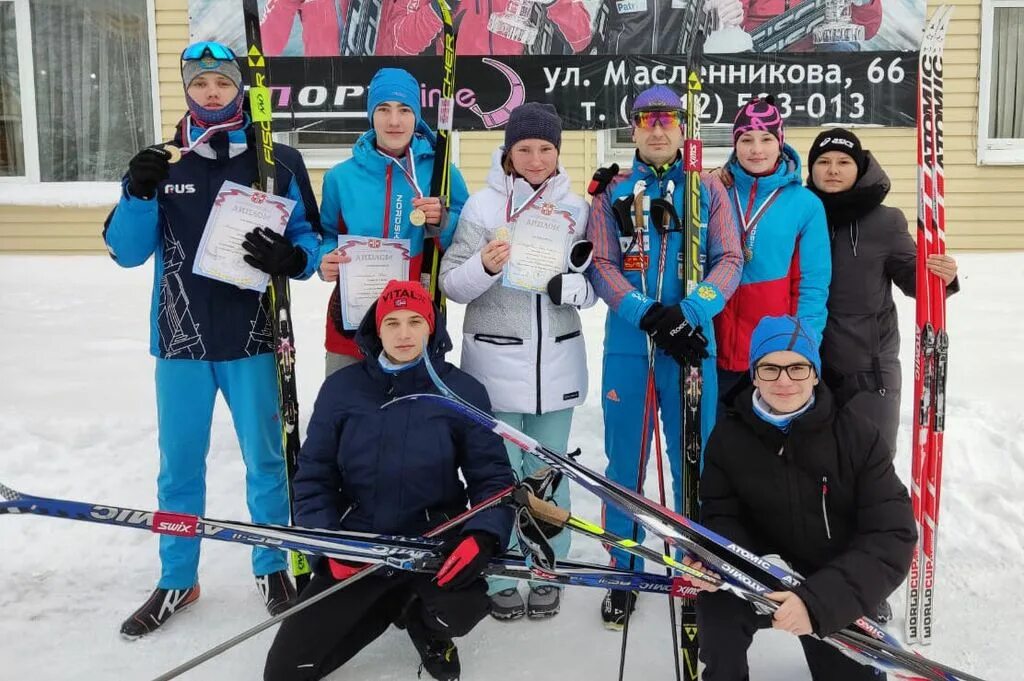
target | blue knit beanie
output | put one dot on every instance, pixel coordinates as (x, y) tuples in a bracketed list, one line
[(657, 98), (394, 85), (783, 333), (533, 121)]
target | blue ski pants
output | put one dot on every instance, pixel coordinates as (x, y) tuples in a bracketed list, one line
[(185, 394), (552, 431), (623, 389)]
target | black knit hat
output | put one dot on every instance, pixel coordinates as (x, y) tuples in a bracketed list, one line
[(533, 120), (837, 139)]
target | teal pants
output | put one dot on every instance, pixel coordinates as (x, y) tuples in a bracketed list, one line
[(185, 394), (552, 431)]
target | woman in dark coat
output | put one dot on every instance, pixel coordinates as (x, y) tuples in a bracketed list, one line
[(871, 250), (787, 474), (395, 471)]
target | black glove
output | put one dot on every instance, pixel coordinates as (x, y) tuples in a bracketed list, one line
[(671, 332), (146, 170), (602, 177), (272, 253), (466, 557)]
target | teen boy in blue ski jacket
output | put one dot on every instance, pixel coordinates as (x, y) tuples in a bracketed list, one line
[(380, 191), (209, 336), (679, 325), (395, 470)]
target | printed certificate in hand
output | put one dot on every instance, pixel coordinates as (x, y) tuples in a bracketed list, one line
[(238, 210), (374, 262), (539, 241)]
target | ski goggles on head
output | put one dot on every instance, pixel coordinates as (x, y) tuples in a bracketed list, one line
[(650, 119), (207, 49)]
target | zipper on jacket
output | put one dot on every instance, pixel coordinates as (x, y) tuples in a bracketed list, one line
[(348, 510), (387, 203), (824, 505), (540, 338)]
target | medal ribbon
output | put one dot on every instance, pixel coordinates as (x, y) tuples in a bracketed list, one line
[(208, 132), (410, 172), (511, 215), (750, 225)]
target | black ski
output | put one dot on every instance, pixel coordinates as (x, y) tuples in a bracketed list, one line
[(278, 293)]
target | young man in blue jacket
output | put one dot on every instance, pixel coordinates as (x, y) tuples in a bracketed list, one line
[(395, 471), (207, 335), (383, 191)]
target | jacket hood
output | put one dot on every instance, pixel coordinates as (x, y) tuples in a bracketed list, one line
[(788, 172), (497, 180), (369, 341)]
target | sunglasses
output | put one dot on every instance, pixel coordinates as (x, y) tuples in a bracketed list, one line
[(207, 49), (666, 119)]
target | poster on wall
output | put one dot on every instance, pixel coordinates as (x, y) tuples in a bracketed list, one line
[(826, 61)]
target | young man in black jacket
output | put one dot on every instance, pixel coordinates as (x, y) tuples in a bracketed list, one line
[(787, 474)]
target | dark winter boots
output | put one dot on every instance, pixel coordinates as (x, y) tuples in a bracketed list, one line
[(157, 609), (614, 607), (507, 605), (438, 656), (277, 590), (544, 601)]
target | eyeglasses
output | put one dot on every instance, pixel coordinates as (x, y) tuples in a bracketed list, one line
[(207, 48), (771, 372), (666, 119)]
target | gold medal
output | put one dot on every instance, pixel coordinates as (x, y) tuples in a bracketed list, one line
[(748, 254), (173, 153), (417, 217), (502, 234)]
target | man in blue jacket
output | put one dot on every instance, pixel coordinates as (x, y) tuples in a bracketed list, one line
[(653, 318), (395, 471), (383, 191), (207, 335)]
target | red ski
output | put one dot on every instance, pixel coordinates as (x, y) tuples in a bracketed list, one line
[(931, 342)]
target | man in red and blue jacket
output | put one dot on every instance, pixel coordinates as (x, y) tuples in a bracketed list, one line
[(627, 275)]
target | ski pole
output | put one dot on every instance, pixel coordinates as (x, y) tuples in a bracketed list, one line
[(364, 572)]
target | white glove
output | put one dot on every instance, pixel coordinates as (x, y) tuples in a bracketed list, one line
[(569, 289)]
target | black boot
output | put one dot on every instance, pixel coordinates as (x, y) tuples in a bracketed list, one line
[(277, 590), (614, 607), (438, 656), (157, 609)]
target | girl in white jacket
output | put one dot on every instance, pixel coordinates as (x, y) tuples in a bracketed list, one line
[(522, 336)]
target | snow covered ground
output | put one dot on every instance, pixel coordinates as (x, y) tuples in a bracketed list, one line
[(77, 421)]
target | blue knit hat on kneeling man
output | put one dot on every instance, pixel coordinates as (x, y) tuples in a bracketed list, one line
[(773, 334)]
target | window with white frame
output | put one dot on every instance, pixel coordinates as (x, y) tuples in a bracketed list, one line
[(320, 149), (76, 88), (1001, 87)]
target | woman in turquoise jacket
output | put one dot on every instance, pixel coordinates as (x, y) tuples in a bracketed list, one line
[(787, 261)]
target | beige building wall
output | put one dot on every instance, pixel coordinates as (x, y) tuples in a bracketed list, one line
[(983, 203)]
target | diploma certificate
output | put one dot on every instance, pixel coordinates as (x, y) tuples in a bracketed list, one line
[(540, 239), (374, 263), (238, 210)]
